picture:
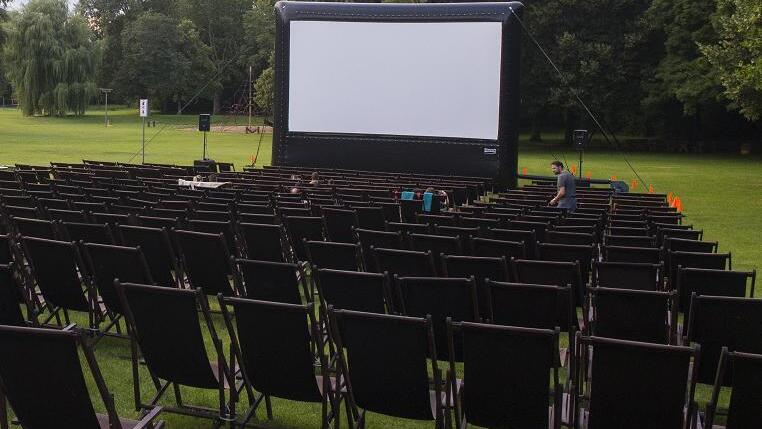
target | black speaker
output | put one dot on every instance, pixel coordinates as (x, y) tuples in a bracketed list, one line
[(204, 122), (580, 139)]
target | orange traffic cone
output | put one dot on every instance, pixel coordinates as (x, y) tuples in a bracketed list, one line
[(634, 184), (650, 189), (524, 171)]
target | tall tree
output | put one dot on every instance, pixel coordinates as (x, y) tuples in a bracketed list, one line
[(737, 57), (220, 24), (163, 59), (50, 58)]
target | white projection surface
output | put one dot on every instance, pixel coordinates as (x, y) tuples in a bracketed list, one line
[(435, 79)]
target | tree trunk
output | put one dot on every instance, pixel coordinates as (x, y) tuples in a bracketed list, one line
[(216, 103), (536, 133)]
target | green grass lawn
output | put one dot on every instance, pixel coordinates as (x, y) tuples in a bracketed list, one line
[(721, 194)]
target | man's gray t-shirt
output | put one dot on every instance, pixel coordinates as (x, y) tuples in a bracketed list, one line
[(569, 200)]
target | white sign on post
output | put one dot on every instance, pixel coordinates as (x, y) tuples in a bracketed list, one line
[(143, 108)]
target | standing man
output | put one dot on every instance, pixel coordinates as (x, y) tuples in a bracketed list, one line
[(566, 198)]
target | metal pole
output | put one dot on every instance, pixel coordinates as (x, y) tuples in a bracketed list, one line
[(107, 108), (204, 145), (144, 140), (580, 164), (250, 101)]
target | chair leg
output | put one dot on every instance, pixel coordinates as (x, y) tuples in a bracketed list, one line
[(3, 412), (268, 407)]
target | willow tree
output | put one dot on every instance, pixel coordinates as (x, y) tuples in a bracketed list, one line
[(50, 59)]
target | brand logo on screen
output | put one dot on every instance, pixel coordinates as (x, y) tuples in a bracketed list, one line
[(490, 151)]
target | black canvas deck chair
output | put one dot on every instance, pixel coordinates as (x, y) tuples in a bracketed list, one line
[(716, 322), (87, 232), (50, 358), (334, 255), (403, 347), (408, 227), (67, 215), (6, 253), (508, 374), (12, 298), (339, 224), (440, 298), (532, 306), (303, 227), (158, 251), (702, 281), (712, 261), (35, 228), (218, 227), (635, 315), (481, 268), (641, 255), (528, 237), (58, 270), (272, 281), (206, 261), (438, 245), (107, 263), (350, 290), (165, 331), (551, 273), (379, 239), (574, 238), (263, 242), (585, 255), (634, 385), (745, 410), (629, 241), (684, 245), (158, 222), (628, 275), (273, 345), (488, 247), (404, 263)]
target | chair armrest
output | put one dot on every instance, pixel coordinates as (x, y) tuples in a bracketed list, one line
[(147, 420)]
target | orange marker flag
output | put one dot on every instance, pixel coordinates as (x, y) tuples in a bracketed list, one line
[(574, 169), (634, 184), (670, 197), (650, 189), (524, 171), (679, 205)]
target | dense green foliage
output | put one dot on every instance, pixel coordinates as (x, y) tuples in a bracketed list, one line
[(678, 70), (50, 58)]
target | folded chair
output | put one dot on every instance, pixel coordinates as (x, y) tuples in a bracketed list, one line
[(206, 261), (634, 385), (165, 331), (272, 344), (716, 322), (507, 376), (333, 255), (272, 281), (158, 250), (481, 268), (385, 366), (745, 376), (350, 290), (50, 358), (635, 315), (56, 267), (628, 275), (263, 242), (440, 298)]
